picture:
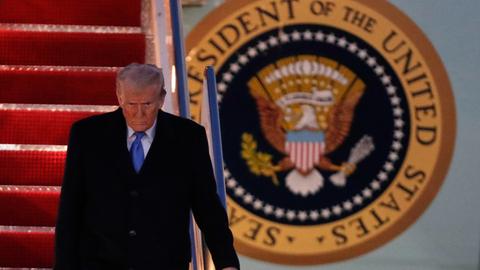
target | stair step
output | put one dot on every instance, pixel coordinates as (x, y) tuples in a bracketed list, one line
[(85, 12), (32, 165), (37, 125), (70, 49), (57, 85), (26, 249), (29, 206)]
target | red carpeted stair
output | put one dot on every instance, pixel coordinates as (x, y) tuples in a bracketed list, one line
[(73, 12), (30, 249), (70, 49), (58, 61), (34, 206), (39, 85), (45, 166), (49, 126)]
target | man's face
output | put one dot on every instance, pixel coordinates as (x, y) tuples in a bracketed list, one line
[(140, 106)]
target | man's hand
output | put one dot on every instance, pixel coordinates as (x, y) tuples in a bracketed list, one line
[(229, 268)]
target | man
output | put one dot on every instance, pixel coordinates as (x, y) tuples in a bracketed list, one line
[(130, 180)]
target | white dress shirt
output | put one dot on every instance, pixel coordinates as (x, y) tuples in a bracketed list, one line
[(146, 140)]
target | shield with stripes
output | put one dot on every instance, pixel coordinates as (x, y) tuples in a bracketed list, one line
[(305, 149)]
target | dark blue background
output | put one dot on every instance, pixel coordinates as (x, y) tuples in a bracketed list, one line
[(373, 117)]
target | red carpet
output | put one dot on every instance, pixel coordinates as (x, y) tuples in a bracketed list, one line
[(26, 249), (58, 86), (58, 62), (70, 49), (31, 167), (84, 12), (32, 208), (49, 127)]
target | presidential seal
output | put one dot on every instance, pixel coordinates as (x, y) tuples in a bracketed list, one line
[(337, 118)]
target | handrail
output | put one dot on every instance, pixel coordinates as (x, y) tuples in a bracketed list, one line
[(215, 129), (179, 51)]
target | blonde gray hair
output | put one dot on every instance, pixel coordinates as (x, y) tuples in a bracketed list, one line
[(141, 76)]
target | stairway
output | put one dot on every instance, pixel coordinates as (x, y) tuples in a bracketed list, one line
[(58, 61)]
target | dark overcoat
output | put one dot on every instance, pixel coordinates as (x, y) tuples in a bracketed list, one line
[(110, 217)]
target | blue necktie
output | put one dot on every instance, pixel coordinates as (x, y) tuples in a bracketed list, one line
[(136, 151)]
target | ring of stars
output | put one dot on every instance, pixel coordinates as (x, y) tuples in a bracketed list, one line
[(383, 175)]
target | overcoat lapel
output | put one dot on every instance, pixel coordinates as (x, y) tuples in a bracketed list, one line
[(157, 156), (119, 145)]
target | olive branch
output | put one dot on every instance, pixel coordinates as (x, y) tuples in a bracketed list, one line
[(259, 163)]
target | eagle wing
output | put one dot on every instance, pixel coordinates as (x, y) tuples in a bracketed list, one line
[(340, 120), (271, 117)]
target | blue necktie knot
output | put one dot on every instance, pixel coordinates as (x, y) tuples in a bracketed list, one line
[(139, 135), (136, 151)]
